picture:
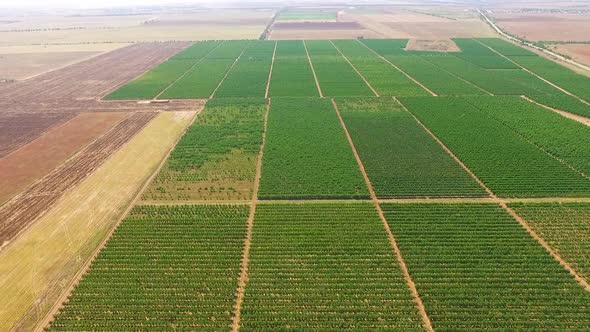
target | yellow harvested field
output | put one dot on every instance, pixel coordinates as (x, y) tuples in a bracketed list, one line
[(37, 267)]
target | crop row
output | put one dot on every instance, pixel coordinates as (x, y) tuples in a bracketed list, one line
[(324, 267), (565, 226), (164, 268), (306, 153), (506, 162), (216, 158), (564, 138), (400, 158), (336, 76), (382, 76), (476, 268)]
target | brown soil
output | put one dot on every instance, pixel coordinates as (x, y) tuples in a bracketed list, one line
[(25, 208), (408, 278), (545, 26), (578, 52), (440, 45), (34, 160)]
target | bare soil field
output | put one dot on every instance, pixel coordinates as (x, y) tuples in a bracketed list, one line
[(91, 79), (22, 167), (578, 52), (25, 208), (17, 129), (544, 26), (19, 66), (441, 45)]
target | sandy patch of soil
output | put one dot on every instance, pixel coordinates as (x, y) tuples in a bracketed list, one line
[(545, 26), (440, 45), (578, 52)]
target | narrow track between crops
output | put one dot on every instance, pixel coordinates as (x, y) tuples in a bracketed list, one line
[(315, 77), (392, 241)]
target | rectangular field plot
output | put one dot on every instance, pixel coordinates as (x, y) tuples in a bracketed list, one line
[(476, 268), (336, 76), (505, 161), (216, 158), (292, 74), (481, 55), (164, 268), (400, 158), (564, 138), (382, 76), (386, 46), (564, 102), (324, 267), (433, 77), (198, 50), (504, 47), (307, 154), (565, 227), (153, 82), (200, 81), (229, 49), (249, 76)]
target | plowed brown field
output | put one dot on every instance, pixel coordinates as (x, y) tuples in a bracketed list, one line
[(34, 160), (25, 208)]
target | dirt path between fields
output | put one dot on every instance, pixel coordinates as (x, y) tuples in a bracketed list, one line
[(243, 278), (356, 70), (579, 118), (503, 204), (534, 74), (315, 77), (227, 73), (399, 69), (408, 278), (274, 52), (68, 290)]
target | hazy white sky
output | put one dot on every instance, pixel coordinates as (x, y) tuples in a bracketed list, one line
[(92, 3)]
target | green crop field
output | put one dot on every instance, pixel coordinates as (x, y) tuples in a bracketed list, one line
[(331, 185), (473, 263)]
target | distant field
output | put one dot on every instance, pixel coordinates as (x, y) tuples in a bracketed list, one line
[(545, 26), (307, 15)]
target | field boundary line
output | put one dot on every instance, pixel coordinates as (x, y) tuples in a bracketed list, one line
[(4, 246), (227, 72), (187, 71), (398, 69), (84, 269), (457, 76), (502, 203), (406, 273), (535, 74), (244, 264), (315, 77), (272, 64), (572, 116), (118, 86), (355, 69)]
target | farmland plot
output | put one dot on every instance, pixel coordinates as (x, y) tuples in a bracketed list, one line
[(324, 267), (335, 75), (200, 81), (477, 269), (562, 137), (400, 158), (480, 55), (229, 50), (152, 83), (508, 164), (505, 47), (386, 47), (249, 76), (383, 77), (216, 158), (565, 227), (565, 103), (288, 48), (489, 80), (292, 74), (433, 77), (306, 153), (164, 268), (197, 51)]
